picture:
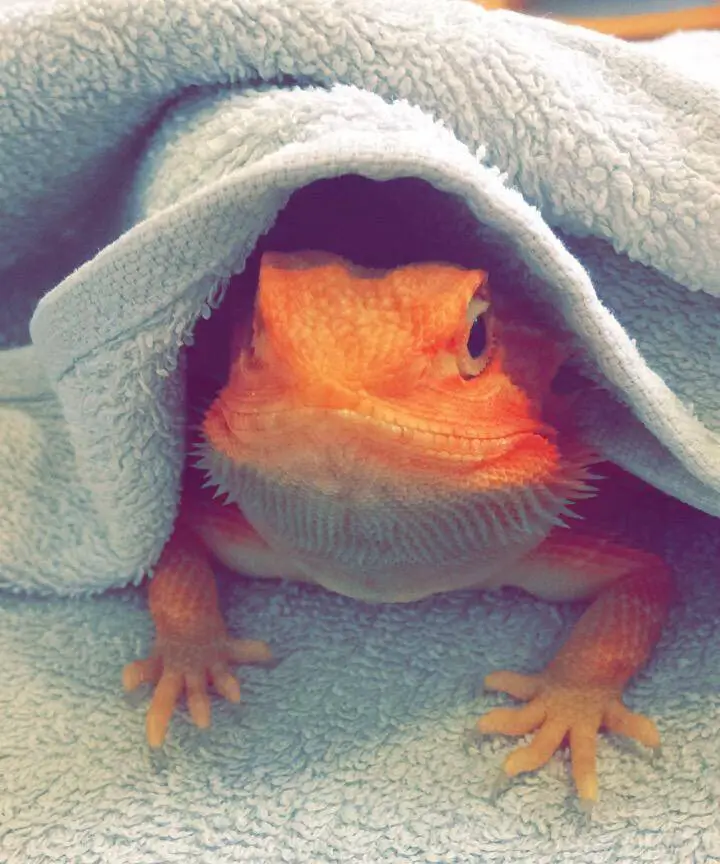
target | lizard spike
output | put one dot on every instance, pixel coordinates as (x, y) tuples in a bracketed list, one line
[(543, 504), (507, 513), (519, 516), (584, 492), (589, 474), (581, 483), (574, 488), (574, 482), (570, 514), (553, 500), (482, 527), (230, 499), (523, 521), (499, 528), (535, 505)]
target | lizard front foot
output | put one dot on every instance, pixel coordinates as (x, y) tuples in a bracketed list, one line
[(560, 709), (179, 665)]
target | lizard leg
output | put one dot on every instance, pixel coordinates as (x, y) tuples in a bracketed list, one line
[(580, 691), (192, 646)]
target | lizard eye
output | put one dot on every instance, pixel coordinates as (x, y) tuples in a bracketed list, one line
[(474, 350)]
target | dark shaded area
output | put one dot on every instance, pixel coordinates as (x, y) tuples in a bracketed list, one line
[(375, 224)]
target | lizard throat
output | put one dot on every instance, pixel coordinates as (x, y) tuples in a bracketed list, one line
[(361, 533)]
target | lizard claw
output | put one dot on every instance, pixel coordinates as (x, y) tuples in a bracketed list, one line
[(499, 786)]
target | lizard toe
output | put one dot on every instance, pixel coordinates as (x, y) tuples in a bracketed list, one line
[(622, 721)]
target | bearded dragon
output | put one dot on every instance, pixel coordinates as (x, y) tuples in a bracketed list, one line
[(392, 434)]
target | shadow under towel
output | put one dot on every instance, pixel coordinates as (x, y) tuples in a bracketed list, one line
[(148, 148)]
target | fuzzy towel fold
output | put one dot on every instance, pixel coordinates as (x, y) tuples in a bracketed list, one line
[(159, 203), (146, 147)]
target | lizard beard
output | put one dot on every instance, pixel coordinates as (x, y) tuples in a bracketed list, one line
[(384, 541)]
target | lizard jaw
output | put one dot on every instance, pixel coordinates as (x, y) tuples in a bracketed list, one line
[(373, 432)]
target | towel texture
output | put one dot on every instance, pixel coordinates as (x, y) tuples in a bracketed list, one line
[(146, 148), (354, 748), (137, 144)]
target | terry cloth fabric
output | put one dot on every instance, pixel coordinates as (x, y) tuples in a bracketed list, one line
[(146, 148)]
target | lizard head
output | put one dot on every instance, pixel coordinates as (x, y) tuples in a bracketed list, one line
[(413, 365), (368, 389)]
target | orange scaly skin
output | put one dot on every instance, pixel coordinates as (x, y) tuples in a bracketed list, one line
[(361, 447)]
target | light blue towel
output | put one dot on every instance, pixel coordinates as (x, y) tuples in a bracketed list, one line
[(146, 146)]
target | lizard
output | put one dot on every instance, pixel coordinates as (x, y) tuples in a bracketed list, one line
[(390, 434)]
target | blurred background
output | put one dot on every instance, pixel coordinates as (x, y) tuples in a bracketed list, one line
[(642, 19)]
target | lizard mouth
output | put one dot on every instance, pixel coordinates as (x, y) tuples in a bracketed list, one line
[(378, 429), (453, 442), (357, 454)]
